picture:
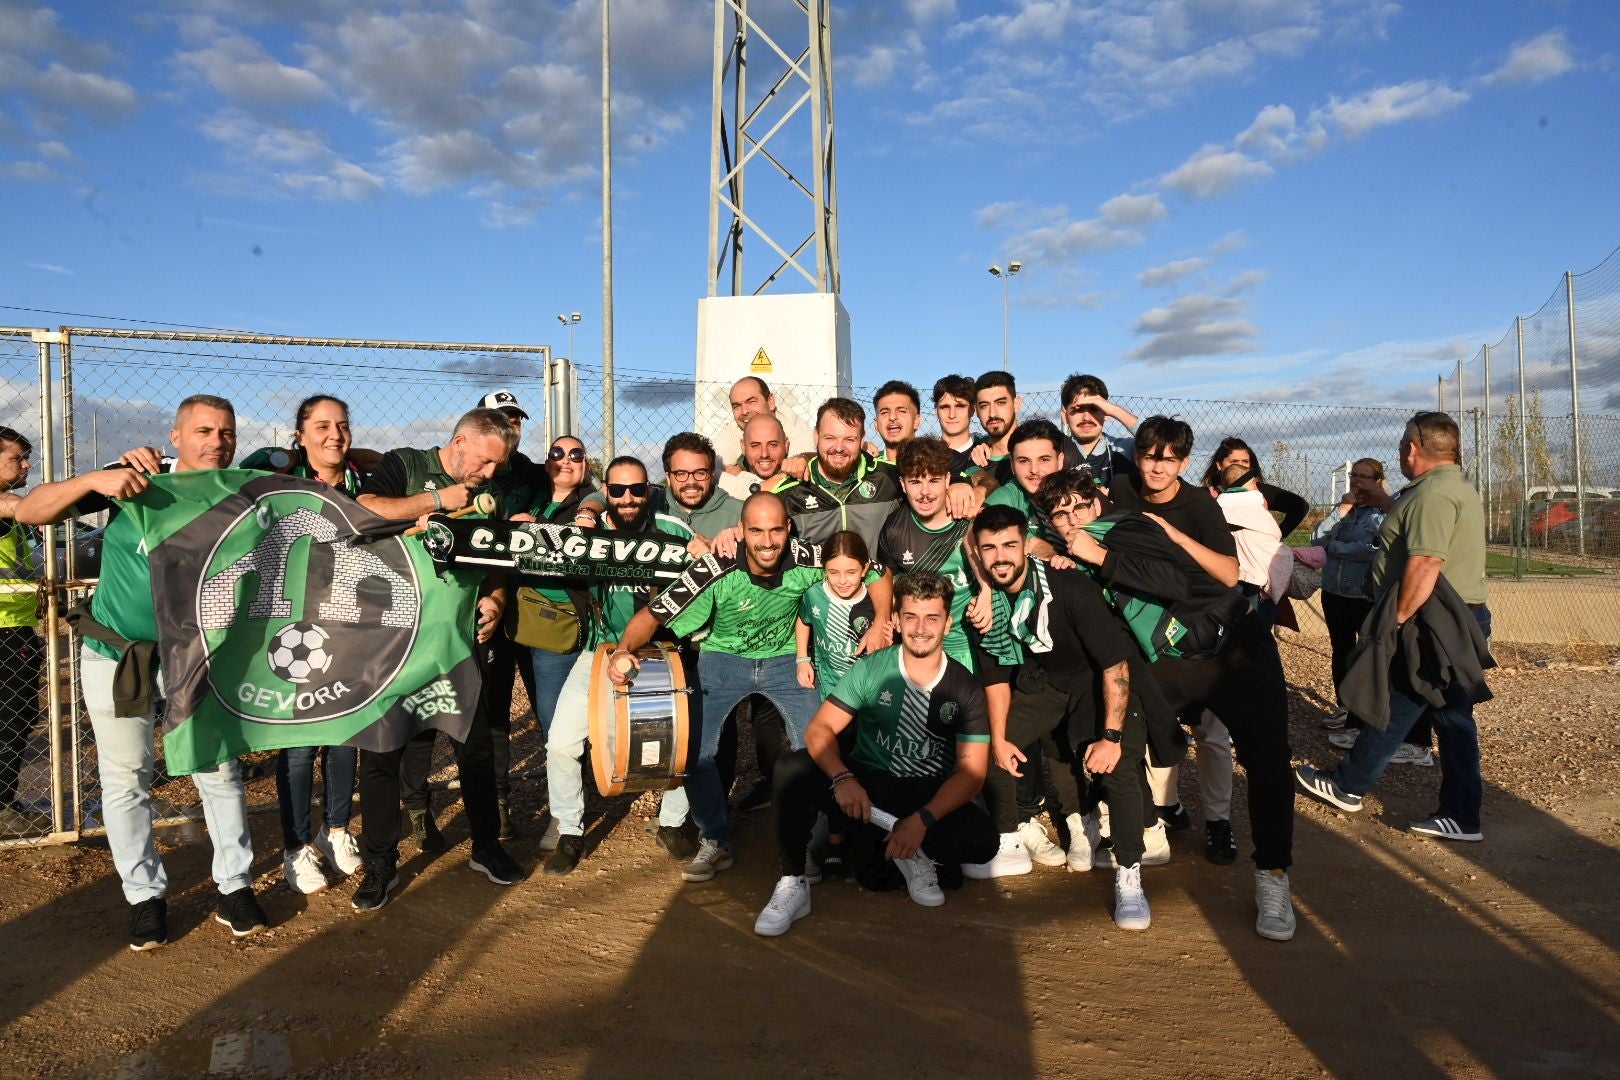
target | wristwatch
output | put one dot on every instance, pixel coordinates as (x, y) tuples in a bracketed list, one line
[(1114, 735)]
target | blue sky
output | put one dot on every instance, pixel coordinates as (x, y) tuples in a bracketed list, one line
[(1323, 200)]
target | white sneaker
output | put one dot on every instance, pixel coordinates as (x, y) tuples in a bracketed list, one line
[(339, 850), (790, 901), (1346, 738), (1155, 849), (1083, 840), (1407, 754), (1272, 897), (922, 882), (710, 859), (1010, 861), (1155, 845), (552, 836), (1131, 911), (1039, 844), (302, 869)]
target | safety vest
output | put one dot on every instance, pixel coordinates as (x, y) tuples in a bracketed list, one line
[(19, 600)]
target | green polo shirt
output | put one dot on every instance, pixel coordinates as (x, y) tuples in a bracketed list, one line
[(1440, 515)]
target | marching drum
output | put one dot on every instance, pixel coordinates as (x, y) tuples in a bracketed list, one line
[(640, 733)]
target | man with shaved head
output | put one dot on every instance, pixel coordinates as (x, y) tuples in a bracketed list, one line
[(765, 446), (749, 605), (751, 397)]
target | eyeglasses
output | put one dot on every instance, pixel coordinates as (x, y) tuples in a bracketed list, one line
[(619, 491), (1362, 476), (681, 476), (575, 454)]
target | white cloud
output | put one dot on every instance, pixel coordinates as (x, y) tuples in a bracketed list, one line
[(1199, 324), (51, 268), (1133, 209), (1214, 170), (1169, 273), (288, 158), (1066, 240), (240, 69), (1386, 105), (1541, 58)]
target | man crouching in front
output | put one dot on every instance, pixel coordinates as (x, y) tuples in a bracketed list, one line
[(920, 751)]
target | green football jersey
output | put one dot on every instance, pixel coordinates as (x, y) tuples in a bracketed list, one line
[(907, 729), (619, 601), (905, 545), (836, 628), (748, 616)]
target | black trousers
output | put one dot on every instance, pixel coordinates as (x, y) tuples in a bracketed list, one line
[(497, 663), (770, 738), (22, 659), (1034, 723), (1344, 616), (380, 790), (1047, 710), (1245, 687), (800, 792)]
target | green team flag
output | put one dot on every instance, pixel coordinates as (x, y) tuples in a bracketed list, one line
[(289, 615)]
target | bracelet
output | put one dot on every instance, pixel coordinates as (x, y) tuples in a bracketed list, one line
[(927, 818), (438, 503), (803, 660), (839, 779)]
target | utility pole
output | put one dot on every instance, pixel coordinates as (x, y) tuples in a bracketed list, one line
[(609, 450)]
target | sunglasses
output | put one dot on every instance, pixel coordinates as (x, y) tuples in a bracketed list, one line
[(619, 491), (575, 454)]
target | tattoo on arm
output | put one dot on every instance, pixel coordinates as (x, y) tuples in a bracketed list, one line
[(1116, 692)]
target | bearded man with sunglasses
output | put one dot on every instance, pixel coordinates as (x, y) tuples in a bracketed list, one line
[(629, 510)]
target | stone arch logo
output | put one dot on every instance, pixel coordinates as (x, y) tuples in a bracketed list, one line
[(301, 620)]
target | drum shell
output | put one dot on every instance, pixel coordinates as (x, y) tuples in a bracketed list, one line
[(640, 734)]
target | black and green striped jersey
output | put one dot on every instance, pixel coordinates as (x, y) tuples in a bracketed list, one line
[(909, 729), (905, 544), (836, 628)]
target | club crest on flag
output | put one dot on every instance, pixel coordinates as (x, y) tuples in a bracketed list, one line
[(336, 614)]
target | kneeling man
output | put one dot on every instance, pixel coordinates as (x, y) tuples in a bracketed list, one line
[(921, 750)]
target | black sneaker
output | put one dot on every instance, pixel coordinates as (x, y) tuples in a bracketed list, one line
[(1219, 847), (149, 924), (833, 867), (495, 864), (241, 912), (425, 831), (1175, 818), (506, 820), (380, 879), (569, 849), (757, 797), (676, 842)]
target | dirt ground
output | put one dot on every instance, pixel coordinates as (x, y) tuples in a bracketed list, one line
[(1413, 958)]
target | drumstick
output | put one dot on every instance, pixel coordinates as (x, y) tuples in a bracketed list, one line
[(882, 819), (626, 666), (483, 503)]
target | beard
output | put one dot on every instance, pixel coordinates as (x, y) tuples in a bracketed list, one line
[(630, 524)]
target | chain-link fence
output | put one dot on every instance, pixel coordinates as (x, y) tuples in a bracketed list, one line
[(99, 392)]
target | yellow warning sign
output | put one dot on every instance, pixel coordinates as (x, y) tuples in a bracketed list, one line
[(761, 362)]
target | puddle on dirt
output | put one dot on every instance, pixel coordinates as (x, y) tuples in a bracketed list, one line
[(241, 1053)]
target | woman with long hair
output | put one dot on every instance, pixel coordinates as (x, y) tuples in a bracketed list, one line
[(320, 451)]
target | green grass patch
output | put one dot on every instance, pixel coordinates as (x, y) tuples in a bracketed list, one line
[(1497, 565)]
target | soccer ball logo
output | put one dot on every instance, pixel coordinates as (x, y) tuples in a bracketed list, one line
[(299, 651)]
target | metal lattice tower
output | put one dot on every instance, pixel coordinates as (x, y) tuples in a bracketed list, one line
[(771, 131)]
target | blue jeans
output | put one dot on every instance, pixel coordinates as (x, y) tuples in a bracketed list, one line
[(550, 671), (126, 754), (295, 781), (726, 680), (1462, 788)]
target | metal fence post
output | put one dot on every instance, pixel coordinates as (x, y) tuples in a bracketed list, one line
[(1522, 556), (53, 641), (1486, 471), (1575, 420)]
